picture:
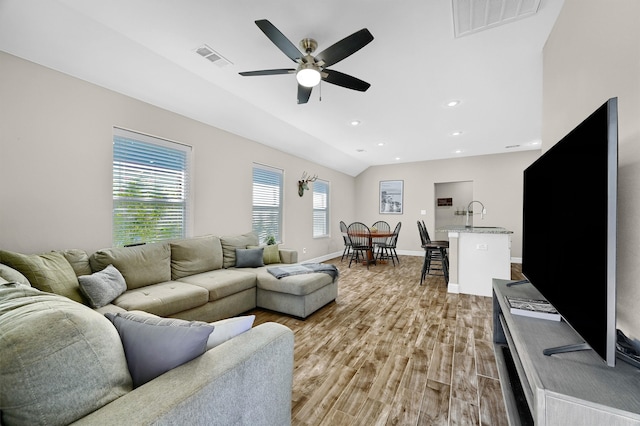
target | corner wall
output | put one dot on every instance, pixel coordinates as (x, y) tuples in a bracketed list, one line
[(593, 54)]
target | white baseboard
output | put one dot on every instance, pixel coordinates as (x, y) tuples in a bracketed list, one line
[(453, 288)]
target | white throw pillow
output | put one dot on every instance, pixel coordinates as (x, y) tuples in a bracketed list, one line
[(226, 329)]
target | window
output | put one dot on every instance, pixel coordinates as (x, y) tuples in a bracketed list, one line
[(267, 202), (320, 208), (150, 188)]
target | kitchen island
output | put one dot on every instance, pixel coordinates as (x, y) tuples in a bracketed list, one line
[(477, 255)]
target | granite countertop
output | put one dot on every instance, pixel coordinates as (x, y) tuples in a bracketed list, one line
[(475, 229)]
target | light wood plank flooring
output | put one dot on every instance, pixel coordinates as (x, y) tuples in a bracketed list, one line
[(392, 352)]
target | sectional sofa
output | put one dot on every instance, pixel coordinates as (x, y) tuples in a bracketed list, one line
[(63, 361), (204, 278)]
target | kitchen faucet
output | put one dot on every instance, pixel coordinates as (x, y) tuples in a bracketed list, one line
[(482, 212)]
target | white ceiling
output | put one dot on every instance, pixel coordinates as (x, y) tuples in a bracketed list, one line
[(146, 49)]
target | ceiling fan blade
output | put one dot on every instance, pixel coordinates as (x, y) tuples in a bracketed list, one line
[(279, 39), (268, 72), (345, 80), (303, 94), (345, 47)]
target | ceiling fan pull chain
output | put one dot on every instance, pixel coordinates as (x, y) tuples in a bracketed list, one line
[(320, 91)]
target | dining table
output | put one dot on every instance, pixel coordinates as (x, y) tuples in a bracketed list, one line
[(371, 235)]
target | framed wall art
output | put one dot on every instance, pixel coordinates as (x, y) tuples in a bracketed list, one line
[(391, 193)]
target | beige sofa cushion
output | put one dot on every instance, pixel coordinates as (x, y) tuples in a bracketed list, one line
[(79, 260), (60, 359), (194, 255), (139, 265), (49, 272), (13, 275), (163, 299), (223, 282), (230, 244)]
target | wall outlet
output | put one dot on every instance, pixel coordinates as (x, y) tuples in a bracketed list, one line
[(481, 247), (304, 250)]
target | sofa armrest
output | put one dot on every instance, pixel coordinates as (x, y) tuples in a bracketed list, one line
[(288, 255), (244, 381)]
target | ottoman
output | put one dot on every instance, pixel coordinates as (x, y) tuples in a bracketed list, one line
[(295, 295)]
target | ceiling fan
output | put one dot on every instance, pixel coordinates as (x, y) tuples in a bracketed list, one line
[(311, 69)]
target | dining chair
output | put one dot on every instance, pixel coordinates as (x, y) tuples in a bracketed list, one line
[(387, 250), (360, 236), (379, 226), (434, 251), (346, 239)]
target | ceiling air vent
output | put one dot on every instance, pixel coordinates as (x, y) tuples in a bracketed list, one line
[(213, 56), (470, 16)]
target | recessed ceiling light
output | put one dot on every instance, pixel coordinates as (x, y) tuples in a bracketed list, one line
[(380, 143), (355, 122), (458, 151), (397, 158), (453, 103), (456, 133)]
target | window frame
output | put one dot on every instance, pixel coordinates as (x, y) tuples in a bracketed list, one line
[(271, 175), (144, 152), (326, 209)]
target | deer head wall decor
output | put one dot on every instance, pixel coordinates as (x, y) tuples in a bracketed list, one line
[(302, 184)]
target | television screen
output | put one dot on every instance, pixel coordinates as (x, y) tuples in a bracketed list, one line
[(569, 228)]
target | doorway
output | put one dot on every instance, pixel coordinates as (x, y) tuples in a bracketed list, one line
[(450, 205)]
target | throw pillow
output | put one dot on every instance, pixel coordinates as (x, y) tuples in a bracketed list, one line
[(49, 272), (101, 288), (154, 346), (271, 254), (230, 244), (249, 258), (229, 328)]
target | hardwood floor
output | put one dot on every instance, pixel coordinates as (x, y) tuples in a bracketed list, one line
[(392, 352)]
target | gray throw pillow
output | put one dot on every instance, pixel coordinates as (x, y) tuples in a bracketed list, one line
[(230, 244), (154, 346), (249, 258), (101, 288)]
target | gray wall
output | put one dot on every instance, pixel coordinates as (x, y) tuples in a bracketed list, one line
[(593, 54), (56, 150), (497, 183)]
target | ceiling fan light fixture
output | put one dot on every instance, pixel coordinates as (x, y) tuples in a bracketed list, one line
[(308, 76)]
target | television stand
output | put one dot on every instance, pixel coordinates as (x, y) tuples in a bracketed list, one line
[(569, 388)]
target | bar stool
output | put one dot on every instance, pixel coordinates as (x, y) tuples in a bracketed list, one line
[(434, 251)]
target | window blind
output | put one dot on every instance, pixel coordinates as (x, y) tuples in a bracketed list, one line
[(320, 208), (267, 202), (150, 188)]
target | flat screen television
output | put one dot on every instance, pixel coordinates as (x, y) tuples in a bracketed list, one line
[(569, 229)]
